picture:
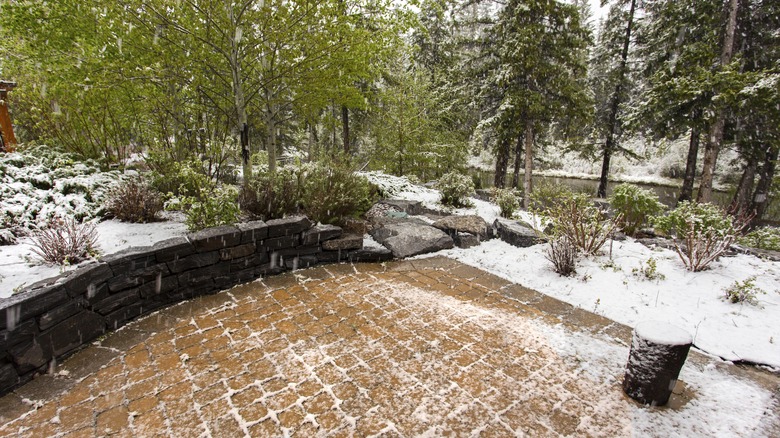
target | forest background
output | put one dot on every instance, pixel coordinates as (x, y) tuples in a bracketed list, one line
[(231, 89)]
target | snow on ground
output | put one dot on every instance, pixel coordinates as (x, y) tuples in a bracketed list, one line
[(691, 301), (608, 285), (19, 266)]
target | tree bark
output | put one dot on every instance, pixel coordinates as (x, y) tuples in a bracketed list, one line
[(529, 163), (345, 127), (740, 203), (686, 192), (502, 162), (766, 175), (614, 106), (715, 136), (518, 153)]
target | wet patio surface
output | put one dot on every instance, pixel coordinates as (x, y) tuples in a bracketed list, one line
[(429, 347)]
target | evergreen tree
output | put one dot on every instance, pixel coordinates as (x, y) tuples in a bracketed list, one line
[(541, 71)]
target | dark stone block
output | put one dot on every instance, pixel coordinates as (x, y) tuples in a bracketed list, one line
[(300, 262), (88, 277), (173, 249), (30, 303), (320, 233), (215, 238), (194, 262), (288, 226), (138, 277), (160, 285), (23, 332), (271, 269), (204, 276), (119, 318), (225, 282), (97, 293), (126, 255), (74, 332), (299, 251), (277, 243), (187, 293), (133, 265), (29, 356), (237, 251), (116, 301), (253, 231), (248, 262), (370, 255), (246, 275), (345, 242), (8, 378), (61, 313), (332, 256)]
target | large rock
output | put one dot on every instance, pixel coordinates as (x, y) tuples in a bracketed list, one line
[(514, 233), (412, 208), (471, 224), (408, 239)]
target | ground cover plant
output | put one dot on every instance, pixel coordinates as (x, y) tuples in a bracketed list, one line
[(455, 189)]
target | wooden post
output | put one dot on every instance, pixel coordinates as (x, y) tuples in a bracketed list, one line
[(7, 138), (658, 352)]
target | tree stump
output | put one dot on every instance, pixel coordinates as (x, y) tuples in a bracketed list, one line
[(658, 352)]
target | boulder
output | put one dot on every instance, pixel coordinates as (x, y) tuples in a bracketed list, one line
[(466, 240), (412, 208), (515, 233), (406, 239), (471, 224)]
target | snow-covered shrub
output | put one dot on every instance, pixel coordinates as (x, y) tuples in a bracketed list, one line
[(700, 232), (583, 223), (39, 185), (389, 185), (134, 200), (65, 242), (218, 207), (743, 292), (562, 253), (507, 200), (333, 191), (635, 205), (762, 238), (455, 189), (272, 195), (648, 271)]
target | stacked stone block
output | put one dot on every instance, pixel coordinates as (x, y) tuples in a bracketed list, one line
[(52, 318)]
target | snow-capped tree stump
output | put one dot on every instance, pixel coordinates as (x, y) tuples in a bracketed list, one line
[(658, 352)]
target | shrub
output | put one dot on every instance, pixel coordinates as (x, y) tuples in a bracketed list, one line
[(219, 207), (272, 195), (563, 254), (648, 271), (65, 242), (455, 189), (507, 200), (333, 192), (581, 222), (134, 200), (635, 205), (700, 233), (762, 238), (546, 196), (743, 292)]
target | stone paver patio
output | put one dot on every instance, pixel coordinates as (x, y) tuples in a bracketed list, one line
[(429, 347)]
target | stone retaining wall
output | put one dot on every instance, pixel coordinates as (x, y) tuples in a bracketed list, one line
[(52, 318)]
